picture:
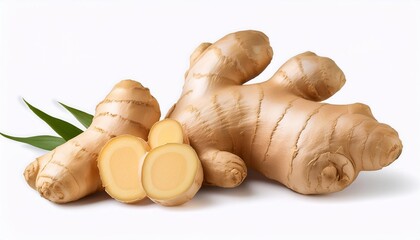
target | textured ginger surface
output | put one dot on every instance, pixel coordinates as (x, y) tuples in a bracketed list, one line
[(70, 171), (278, 127)]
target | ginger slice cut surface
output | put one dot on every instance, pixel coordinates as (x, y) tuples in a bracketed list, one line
[(171, 174), (173, 166), (166, 131), (119, 163)]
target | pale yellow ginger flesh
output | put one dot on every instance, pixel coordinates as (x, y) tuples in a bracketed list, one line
[(171, 174), (277, 127), (70, 171), (119, 163), (165, 131), (171, 170)]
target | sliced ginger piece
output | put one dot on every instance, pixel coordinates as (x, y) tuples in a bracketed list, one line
[(119, 162), (171, 174), (166, 131)]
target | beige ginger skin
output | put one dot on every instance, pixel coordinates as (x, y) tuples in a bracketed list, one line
[(278, 127), (70, 171)]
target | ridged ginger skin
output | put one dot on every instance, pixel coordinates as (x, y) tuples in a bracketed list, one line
[(277, 127), (70, 171)]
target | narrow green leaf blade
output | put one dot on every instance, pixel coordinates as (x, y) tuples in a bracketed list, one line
[(44, 141), (62, 128), (84, 118)]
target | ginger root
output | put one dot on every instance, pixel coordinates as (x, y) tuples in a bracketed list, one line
[(277, 127), (69, 172)]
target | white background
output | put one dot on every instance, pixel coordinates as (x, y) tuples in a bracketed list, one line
[(75, 51)]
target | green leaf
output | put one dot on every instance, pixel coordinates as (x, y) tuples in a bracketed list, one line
[(43, 142), (62, 128), (84, 118)]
